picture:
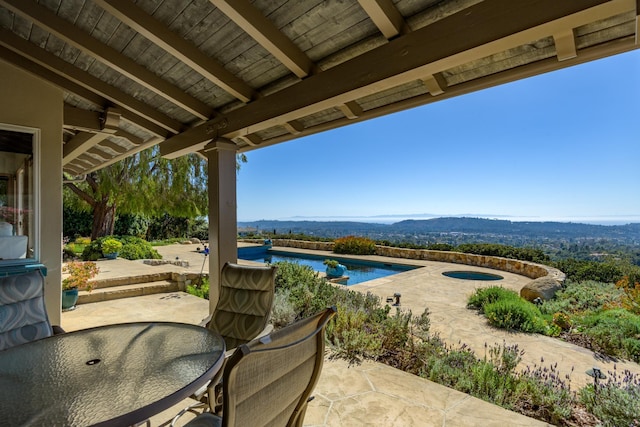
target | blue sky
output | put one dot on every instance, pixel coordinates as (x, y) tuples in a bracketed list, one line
[(560, 146)]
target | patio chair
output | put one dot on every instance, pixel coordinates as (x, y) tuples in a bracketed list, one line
[(23, 317), (241, 315), (244, 305), (268, 381)]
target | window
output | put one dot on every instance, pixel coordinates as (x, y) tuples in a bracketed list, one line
[(19, 194)]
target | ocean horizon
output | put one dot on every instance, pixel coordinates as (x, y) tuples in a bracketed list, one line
[(390, 219)]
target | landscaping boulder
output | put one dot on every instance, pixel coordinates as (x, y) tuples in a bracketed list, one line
[(544, 288)]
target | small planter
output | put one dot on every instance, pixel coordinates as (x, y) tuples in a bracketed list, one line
[(334, 272), (110, 248), (69, 299)]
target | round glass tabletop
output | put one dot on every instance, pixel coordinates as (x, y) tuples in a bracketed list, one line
[(121, 374)]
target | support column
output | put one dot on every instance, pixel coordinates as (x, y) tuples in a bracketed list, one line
[(223, 226)]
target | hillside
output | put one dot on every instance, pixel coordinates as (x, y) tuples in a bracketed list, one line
[(463, 230)]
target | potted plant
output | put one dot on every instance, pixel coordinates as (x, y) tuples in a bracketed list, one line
[(110, 248), (78, 279), (334, 268)]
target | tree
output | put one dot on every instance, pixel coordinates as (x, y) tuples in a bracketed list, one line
[(144, 183)]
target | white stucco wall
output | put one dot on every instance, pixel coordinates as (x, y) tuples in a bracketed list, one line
[(30, 102)]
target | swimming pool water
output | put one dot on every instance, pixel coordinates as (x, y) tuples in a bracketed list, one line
[(358, 272)]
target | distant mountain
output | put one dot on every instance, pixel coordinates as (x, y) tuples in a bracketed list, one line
[(459, 230)]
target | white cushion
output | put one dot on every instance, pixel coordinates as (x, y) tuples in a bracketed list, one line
[(6, 229), (13, 247)]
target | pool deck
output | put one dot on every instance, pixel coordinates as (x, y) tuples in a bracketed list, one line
[(371, 394)]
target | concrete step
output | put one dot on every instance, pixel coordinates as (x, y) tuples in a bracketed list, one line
[(127, 291), (130, 280)]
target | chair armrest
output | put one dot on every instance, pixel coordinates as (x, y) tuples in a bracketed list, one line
[(266, 331), (205, 322)]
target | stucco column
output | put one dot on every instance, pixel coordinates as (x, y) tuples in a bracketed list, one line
[(223, 227), (33, 103)]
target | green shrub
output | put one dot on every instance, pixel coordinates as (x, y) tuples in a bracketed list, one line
[(110, 245), (283, 313), (493, 249), (354, 245), (75, 222), (484, 296), (292, 274), (615, 400), (440, 247), (132, 248), (583, 270), (352, 336), (542, 393), (517, 315), (200, 288), (579, 297), (331, 263), (131, 225), (615, 332)]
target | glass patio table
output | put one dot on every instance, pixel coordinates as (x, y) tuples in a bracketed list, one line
[(110, 375)]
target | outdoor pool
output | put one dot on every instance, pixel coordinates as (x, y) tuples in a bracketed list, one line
[(358, 271)]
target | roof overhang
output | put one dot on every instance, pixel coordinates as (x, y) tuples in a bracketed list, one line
[(184, 74)]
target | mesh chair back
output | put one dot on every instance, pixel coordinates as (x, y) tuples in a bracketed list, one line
[(268, 381), (244, 306), (23, 316)]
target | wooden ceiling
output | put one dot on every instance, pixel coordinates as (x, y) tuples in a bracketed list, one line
[(183, 73)]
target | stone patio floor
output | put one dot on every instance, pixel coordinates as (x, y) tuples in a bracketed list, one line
[(370, 394)]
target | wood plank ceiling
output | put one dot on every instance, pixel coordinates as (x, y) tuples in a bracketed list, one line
[(183, 73)]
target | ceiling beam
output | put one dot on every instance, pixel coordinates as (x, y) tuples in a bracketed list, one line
[(79, 91), (92, 121), (351, 109), (565, 42), (62, 68), (100, 153), (251, 139), (31, 67), (638, 22), (82, 120), (88, 159), (294, 127), (511, 75), (73, 169), (256, 25), (177, 46), (147, 144), (77, 145), (64, 30), (455, 40), (384, 14), (435, 83), (112, 145), (80, 164), (135, 140)]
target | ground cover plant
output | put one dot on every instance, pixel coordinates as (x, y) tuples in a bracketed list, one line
[(599, 316), (364, 328)]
